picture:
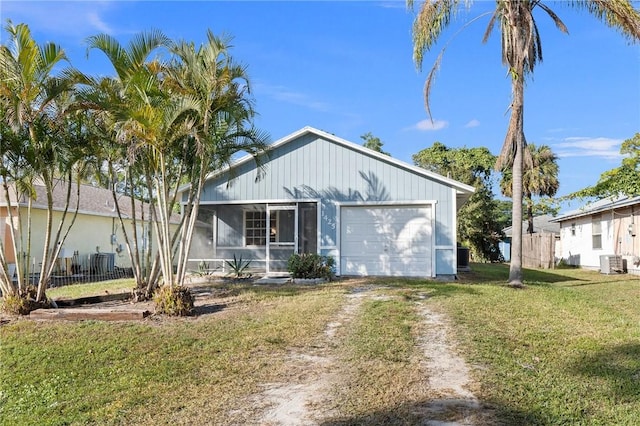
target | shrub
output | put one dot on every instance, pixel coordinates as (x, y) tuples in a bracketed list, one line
[(311, 265), (22, 303), (174, 301)]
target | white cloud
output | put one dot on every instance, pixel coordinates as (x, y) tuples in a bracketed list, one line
[(472, 123), (605, 148), (429, 125), (77, 18), (98, 23), (284, 94), (393, 5)]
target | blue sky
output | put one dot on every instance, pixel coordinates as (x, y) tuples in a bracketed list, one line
[(346, 67)]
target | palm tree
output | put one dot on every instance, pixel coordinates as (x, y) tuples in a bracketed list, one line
[(130, 133), (539, 179), (521, 51), (222, 121), (34, 103)]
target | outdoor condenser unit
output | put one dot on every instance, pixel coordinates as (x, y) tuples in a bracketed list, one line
[(611, 264)]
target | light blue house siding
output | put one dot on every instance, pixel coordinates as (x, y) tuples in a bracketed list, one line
[(316, 166)]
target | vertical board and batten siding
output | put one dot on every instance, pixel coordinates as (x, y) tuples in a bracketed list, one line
[(313, 167)]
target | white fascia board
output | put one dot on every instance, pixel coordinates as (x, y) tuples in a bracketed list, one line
[(587, 211), (385, 203), (265, 201)]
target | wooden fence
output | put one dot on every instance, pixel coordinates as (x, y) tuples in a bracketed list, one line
[(538, 250)]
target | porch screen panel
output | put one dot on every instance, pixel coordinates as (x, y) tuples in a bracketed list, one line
[(229, 227), (308, 228)]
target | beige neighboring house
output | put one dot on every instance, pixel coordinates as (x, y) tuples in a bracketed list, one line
[(603, 235), (96, 239)]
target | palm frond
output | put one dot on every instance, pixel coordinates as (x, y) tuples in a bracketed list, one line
[(618, 14)]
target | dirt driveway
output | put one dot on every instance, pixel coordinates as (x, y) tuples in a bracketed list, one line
[(304, 398)]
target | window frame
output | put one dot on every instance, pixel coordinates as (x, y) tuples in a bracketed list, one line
[(596, 232), (254, 222)]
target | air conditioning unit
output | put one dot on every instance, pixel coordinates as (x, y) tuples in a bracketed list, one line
[(610, 264)]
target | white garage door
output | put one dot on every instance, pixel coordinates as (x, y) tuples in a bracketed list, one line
[(386, 240)]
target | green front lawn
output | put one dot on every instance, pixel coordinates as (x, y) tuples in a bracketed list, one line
[(566, 350)]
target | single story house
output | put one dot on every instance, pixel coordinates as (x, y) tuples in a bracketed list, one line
[(318, 193), (603, 235)]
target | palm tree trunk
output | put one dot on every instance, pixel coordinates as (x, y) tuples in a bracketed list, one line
[(14, 241), (516, 130), (43, 281), (189, 227)]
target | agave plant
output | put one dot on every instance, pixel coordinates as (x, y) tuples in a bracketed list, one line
[(238, 267)]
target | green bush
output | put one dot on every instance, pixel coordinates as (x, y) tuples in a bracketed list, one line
[(174, 301), (311, 265)]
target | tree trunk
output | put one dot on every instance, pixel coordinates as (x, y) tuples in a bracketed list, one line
[(516, 129)]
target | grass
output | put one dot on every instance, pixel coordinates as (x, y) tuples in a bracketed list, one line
[(379, 362), (91, 289), (152, 373), (565, 350)]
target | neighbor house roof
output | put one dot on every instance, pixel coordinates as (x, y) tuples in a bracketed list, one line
[(94, 200), (606, 204), (542, 223), (464, 191)]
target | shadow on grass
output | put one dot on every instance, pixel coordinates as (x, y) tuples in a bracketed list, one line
[(606, 279), (442, 412), (619, 365), (411, 288), (498, 273), (231, 289), (209, 308)]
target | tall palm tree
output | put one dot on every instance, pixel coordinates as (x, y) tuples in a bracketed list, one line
[(134, 117), (521, 51), (540, 178), (223, 121), (34, 102)]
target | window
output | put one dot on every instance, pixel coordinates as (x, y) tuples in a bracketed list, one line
[(573, 229), (255, 228), (596, 232)]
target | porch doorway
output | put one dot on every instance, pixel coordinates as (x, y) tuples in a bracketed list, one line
[(292, 229), (283, 236)]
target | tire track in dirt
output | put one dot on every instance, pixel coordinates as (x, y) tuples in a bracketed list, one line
[(303, 401), (449, 381)]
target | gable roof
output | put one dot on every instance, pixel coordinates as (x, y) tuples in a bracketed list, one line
[(606, 204), (542, 223), (463, 191)]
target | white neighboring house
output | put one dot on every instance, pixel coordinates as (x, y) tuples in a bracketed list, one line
[(601, 230)]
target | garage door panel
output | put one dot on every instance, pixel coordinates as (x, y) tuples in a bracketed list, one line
[(393, 241)]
